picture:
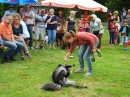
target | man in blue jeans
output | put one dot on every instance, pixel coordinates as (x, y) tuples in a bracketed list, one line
[(28, 17), (8, 39)]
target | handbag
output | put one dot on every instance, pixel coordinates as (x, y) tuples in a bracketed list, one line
[(96, 32), (60, 29)]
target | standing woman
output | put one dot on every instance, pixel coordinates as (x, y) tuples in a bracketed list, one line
[(51, 28), (117, 20), (71, 22), (108, 15), (87, 42), (18, 35), (97, 28)]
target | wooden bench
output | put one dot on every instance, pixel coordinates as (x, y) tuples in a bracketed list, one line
[(2, 53)]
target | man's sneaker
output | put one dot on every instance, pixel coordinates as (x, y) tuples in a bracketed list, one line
[(120, 43), (37, 47), (7, 60), (50, 47), (12, 58), (54, 48), (88, 74), (126, 49), (41, 47), (80, 70)]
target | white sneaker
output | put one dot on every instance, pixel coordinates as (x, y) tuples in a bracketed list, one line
[(88, 74), (80, 70), (41, 47), (31, 48), (54, 48), (50, 47), (120, 43), (37, 47)]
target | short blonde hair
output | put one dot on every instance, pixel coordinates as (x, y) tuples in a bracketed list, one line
[(68, 35), (129, 11), (115, 12), (72, 12), (51, 10)]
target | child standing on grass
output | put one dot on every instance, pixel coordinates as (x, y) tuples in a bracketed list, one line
[(112, 30), (125, 33), (81, 24), (116, 34)]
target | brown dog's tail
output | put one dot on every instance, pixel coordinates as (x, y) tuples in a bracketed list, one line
[(51, 87)]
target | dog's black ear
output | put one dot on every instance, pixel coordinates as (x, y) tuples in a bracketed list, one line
[(59, 65)]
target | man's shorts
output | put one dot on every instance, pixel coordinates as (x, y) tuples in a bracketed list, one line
[(124, 39), (40, 33)]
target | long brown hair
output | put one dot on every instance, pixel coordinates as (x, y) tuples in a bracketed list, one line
[(68, 35)]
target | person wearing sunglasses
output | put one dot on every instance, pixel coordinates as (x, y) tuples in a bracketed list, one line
[(11, 11)]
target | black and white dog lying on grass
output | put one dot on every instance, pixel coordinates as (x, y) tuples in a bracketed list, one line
[(60, 78)]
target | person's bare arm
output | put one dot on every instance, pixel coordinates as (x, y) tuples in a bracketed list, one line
[(66, 56), (30, 17), (91, 29), (66, 26), (49, 20), (118, 21), (55, 22), (100, 27)]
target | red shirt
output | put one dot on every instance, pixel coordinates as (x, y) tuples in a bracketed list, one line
[(84, 38), (112, 27), (81, 26)]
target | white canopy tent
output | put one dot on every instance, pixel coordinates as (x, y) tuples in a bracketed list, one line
[(81, 4)]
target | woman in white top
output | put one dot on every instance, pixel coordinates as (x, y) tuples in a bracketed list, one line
[(96, 27)]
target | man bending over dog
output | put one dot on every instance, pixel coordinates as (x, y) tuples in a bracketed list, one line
[(87, 42)]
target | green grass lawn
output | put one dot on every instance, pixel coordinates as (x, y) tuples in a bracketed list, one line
[(111, 74)]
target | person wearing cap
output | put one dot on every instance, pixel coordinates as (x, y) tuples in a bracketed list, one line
[(40, 27), (11, 11)]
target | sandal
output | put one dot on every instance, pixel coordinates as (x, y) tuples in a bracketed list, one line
[(29, 56)]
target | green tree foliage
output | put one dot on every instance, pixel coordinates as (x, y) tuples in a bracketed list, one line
[(4, 7), (114, 5), (66, 11)]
